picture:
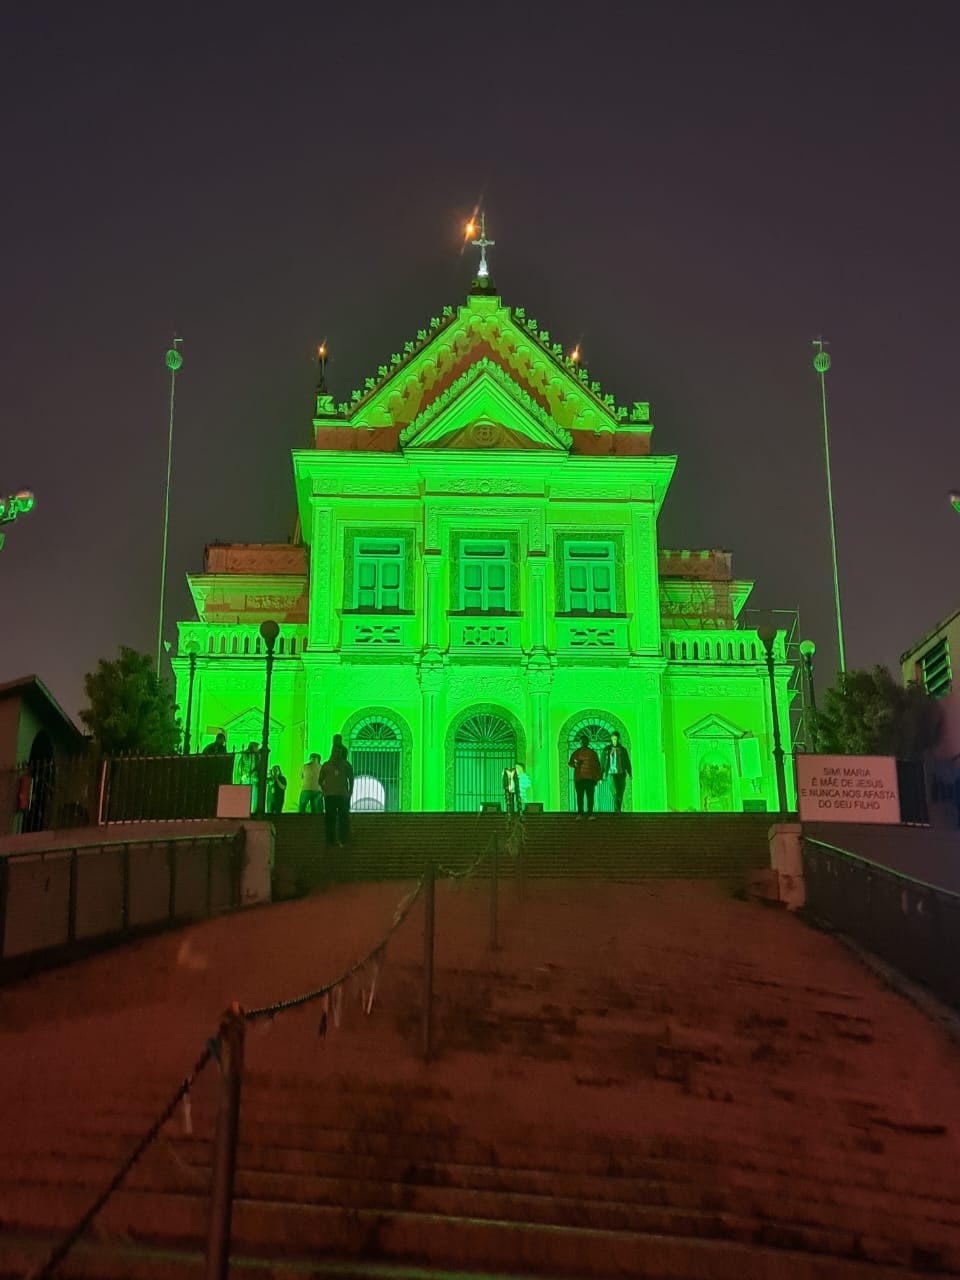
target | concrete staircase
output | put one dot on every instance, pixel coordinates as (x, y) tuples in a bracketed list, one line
[(380, 1183), (648, 1079), (614, 846)]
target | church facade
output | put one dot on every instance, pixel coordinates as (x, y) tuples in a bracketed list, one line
[(477, 581)]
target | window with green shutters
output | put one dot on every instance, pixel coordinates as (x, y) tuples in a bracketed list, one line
[(588, 577), (484, 577), (378, 574)]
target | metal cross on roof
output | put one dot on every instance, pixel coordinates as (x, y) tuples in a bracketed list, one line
[(483, 244)]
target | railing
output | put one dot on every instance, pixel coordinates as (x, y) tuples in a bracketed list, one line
[(53, 902), (912, 924), (239, 640), (728, 646), (226, 1047), (89, 790)]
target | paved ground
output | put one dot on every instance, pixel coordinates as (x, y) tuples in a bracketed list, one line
[(666, 1010)]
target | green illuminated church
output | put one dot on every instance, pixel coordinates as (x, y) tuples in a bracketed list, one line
[(476, 580)]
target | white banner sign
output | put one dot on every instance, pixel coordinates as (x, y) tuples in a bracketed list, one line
[(847, 789)]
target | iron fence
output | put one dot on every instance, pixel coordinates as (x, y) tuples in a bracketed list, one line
[(912, 924), (88, 790)]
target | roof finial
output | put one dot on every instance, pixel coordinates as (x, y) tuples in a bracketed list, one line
[(481, 243)]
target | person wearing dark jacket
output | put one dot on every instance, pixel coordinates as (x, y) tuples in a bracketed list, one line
[(276, 790), (616, 767), (336, 783), (585, 764)]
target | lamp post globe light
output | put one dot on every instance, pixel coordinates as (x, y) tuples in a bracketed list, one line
[(767, 635), (269, 631), (807, 650), (955, 501)]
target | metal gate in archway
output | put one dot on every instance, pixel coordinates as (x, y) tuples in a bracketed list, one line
[(484, 745), (598, 731), (376, 752)]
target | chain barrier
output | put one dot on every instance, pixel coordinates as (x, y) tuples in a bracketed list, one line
[(210, 1050), (513, 844), (374, 956)]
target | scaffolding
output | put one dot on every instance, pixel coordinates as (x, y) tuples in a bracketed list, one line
[(801, 717)]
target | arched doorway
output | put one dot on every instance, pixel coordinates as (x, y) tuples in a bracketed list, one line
[(484, 744), (598, 726), (375, 743)]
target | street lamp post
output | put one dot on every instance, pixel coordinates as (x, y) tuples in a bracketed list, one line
[(767, 635), (268, 633), (807, 650), (192, 652), (821, 363)]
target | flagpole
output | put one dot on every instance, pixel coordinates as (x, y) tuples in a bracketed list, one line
[(174, 361)]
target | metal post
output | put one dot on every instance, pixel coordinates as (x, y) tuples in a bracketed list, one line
[(821, 362), (174, 361), (807, 650), (767, 636), (494, 850), (230, 1042), (186, 727), (269, 631), (426, 1011)]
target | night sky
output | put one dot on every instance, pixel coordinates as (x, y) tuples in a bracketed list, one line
[(692, 190)]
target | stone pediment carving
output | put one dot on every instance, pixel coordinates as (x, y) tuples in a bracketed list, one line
[(714, 726), (484, 409)]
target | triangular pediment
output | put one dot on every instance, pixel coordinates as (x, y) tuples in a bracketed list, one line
[(484, 409), (482, 332), (714, 726)]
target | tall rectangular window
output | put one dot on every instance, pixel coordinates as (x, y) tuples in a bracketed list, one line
[(588, 577), (377, 574), (484, 577)]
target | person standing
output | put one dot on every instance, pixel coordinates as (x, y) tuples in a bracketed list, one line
[(247, 771), (524, 784), (616, 767), (311, 797), (511, 790), (585, 764), (218, 747), (276, 790), (336, 780)]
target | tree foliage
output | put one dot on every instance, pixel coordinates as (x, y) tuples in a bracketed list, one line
[(870, 713), (131, 709)]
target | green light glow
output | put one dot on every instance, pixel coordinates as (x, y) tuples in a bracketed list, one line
[(480, 579)]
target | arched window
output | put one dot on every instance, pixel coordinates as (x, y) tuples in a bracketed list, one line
[(376, 752), (483, 746), (673, 649), (246, 644), (706, 649), (234, 642), (696, 651), (742, 654)]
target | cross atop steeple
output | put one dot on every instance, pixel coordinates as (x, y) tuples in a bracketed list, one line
[(481, 243)]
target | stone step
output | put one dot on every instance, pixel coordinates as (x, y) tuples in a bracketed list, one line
[(539, 1199), (750, 1180), (281, 1230)]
